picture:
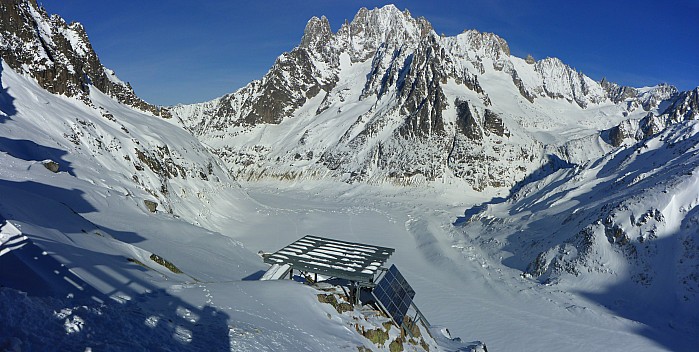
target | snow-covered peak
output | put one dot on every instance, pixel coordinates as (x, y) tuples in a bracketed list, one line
[(562, 81), (387, 21), (482, 43), (317, 33), (381, 26), (648, 98), (652, 96)]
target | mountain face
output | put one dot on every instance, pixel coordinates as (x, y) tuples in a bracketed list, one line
[(622, 230), (386, 99), (59, 55)]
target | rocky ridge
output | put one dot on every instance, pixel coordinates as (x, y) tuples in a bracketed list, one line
[(59, 55), (676, 107)]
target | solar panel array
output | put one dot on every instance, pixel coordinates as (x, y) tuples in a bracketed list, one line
[(348, 260), (395, 294)]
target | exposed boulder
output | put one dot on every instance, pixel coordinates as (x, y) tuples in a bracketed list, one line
[(151, 205), (51, 165)]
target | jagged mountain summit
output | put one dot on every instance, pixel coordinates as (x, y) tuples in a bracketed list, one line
[(387, 99)]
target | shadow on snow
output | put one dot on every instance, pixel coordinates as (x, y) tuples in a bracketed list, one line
[(63, 312), (554, 164), (7, 106), (57, 208), (31, 151)]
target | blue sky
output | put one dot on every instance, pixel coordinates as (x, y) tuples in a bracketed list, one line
[(190, 51)]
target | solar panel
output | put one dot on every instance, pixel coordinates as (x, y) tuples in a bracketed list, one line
[(394, 293), (348, 260)]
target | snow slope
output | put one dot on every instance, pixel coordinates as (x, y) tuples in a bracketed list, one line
[(619, 232)]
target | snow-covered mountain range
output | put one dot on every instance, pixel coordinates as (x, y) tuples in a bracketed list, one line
[(548, 203), (387, 99)]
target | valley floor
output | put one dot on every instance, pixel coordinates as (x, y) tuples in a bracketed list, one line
[(458, 285)]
